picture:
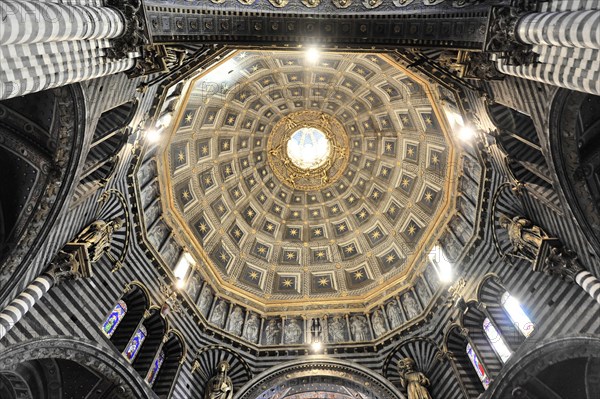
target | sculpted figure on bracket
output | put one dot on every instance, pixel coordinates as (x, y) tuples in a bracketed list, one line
[(97, 237), (220, 385), (525, 237), (412, 380)]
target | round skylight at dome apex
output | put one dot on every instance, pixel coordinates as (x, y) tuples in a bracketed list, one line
[(308, 148)]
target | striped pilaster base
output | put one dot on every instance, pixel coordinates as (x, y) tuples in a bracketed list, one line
[(25, 301), (589, 283)]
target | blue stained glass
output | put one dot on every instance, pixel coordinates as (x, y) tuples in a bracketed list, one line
[(135, 343), (478, 366), (156, 365), (112, 321)]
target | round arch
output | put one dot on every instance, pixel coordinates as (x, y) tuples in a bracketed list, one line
[(317, 372), (549, 366), (89, 354)]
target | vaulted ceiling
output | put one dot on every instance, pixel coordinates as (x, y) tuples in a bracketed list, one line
[(278, 236)]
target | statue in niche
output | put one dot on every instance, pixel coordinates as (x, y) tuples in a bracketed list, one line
[(412, 380), (193, 286), (422, 291), (149, 194), (251, 328), (358, 325), (219, 314), (378, 324), (394, 314), (170, 252), (336, 330), (293, 332), (272, 332), (525, 237), (156, 235), (220, 385), (97, 236), (205, 300), (236, 320), (410, 305)]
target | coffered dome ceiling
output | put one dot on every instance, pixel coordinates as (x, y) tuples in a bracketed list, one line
[(298, 183)]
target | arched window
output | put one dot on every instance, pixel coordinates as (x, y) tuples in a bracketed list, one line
[(478, 366), (135, 343), (514, 310), (156, 365), (496, 340), (115, 317)]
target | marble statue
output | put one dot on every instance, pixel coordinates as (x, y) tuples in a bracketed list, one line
[(219, 313), (410, 305), (358, 325), (525, 237), (220, 385), (336, 330), (236, 320), (251, 328), (394, 315), (194, 286), (272, 332), (205, 300), (378, 323), (293, 332), (97, 237), (412, 380)]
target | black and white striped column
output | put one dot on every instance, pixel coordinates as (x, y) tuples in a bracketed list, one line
[(564, 29), (35, 22), (25, 301), (589, 283)]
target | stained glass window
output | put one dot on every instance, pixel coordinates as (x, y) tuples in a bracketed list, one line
[(135, 343), (478, 366), (112, 321), (156, 365), (496, 340), (517, 315)]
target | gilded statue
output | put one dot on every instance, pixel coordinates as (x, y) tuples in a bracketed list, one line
[(525, 237), (97, 237), (220, 385), (412, 380)]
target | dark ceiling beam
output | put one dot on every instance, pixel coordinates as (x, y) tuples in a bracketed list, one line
[(460, 29)]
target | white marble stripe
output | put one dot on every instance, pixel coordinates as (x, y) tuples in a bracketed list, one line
[(22, 304), (15, 310)]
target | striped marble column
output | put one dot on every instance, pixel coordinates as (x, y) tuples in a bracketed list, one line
[(35, 22), (25, 301), (589, 283), (564, 29)]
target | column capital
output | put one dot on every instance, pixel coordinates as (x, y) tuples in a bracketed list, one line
[(555, 259), (135, 34), (501, 36), (70, 263)]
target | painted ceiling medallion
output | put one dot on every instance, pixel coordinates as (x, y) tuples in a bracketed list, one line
[(308, 150)]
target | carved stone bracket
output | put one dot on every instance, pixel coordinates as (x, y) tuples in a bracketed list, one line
[(555, 259), (501, 36), (71, 263), (157, 59), (135, 35)]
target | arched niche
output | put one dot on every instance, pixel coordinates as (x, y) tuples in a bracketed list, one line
[(81, 359), (175, 351), (41, 140), (444, 382), (136, 300), (455, 344), (561, 367), (490, 293), (574, 135), (156, 327), (315, 375)]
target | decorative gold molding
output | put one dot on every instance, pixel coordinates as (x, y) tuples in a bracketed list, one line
[(308, 179)]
